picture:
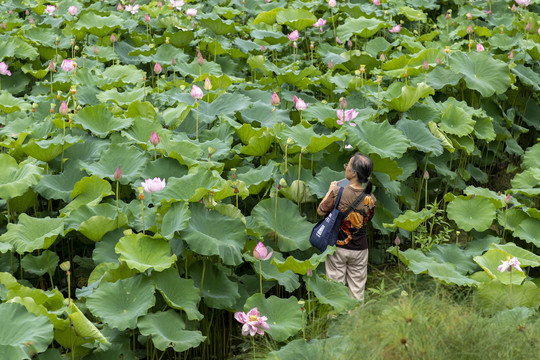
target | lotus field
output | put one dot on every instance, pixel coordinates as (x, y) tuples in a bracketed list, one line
[(161, 163)]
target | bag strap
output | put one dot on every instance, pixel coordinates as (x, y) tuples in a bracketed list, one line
[(353, 206), (338, 198)]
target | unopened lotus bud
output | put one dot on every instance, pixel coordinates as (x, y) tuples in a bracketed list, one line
[(65, 266), (146, 18), (173, 62), (27, 12), (207, 84), (119, 7), (397, 241), (439, 61), (382, 57), (343, 103), (63, 110), (508, 199), (154, 138), (52, 67), (514, 9), (309, 272), (157, 68), (330, 65), (426, 175), (290, 141), (470, 29), (200, 59), (528, 27), (118, 174), (31, 21), (73, 89), (263, 48), (425, 66), (76, 48), (113, 38)]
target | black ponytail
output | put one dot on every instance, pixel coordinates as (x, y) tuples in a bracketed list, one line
[(362, 165)]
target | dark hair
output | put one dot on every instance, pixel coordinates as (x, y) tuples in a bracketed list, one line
[(363, 167)]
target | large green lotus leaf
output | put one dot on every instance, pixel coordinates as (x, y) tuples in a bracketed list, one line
[(292, 229), (259, 144), (211, 233), (109, 272), (32, 233), (59, 186), (269, 271), (379, 138), (332, 293), (297, 19), (100, 121), (267, 17), (135, 213), (164, 168), (319, 184), (522, 225), (363, 27), (483, 129), (89, 191), (217, 24), (456, 121), (142, 252), (453, 254), (284, 315), (477, 213), (302, 267), (410, 220), (527, 76), (531, 158), (496, 296), (176, 218), (21, 328), (48, 149), (440, 77), (129, 158), (5, 247), (496, 199), (41, 264), (167, 330), (300, 78), (481, 72), (186, 152), (218, 290), (90, 22), (527, 182), (122, 98), (307, 138), (402, 97), (119, 304), (420, 137), (89, 150), (141, 130), (525, 257), (104, 249), (315, 349), (264, 114), (96, 221), (192, 187), (120, 75), (16, 179), (256, 178), (10, 104), (179, 293), (491, 259)]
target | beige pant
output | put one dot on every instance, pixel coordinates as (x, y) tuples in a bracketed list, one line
[(349, 264)]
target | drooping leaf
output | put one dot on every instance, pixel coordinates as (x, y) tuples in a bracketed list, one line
[(332, 293), (16, 179), (32, 233)]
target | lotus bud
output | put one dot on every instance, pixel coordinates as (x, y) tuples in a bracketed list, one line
[(511, 55), (470, 29), (63, 110), (426, 175), (425, 66), (397, 241), (159, 4), (73, 89), (349, 43), (382, 57), (290, 141), (52, 67), (207, 84), (473, 196), (118, 174), (379, 79), (446, 49), (72, 42), (343, 103), (167, 40), (275, 99), (514, 9), (200, 59), (119, 7), (330, 65), (173, 62), (439, 61), (113, 38), (154, 138), (309, 272), (146, 18), (528, 27), (27, 12), (65, 266), (508, 199), (263, 48), (362, 69), (157, 68), (31, 21)]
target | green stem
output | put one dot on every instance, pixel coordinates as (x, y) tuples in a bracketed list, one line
[(117, 212), (197, 124), (260, 275), (253, 346), (202, 276), (275, 218), (142, 211), (298, 184), (49, 270)]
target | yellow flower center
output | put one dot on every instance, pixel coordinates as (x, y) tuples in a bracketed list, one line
[(253, 318)]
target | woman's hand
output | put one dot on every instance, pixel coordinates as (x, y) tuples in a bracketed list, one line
[(333, 185)]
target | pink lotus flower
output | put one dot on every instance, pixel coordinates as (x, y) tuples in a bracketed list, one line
[(301, 105), (261, 252), (63, 110), (4, 69), (479, 47), (523, 2), (159, 4), (376, 2), (177, 4), (113, 38), (50, 9), (348, 115), (294, 99), (157, 68), (196, 92), (72, 10), (146, 18), (191, 12), (320, 23), (118, 174), (508, 265), (511, 55), (470, 29), (153, 185), (275, 99), (133, 9), (154, 138), (68, 65), (395, 29), (119, 7), (295, 35), (332, 3), (253, 322), (96, 50), (425, 66)]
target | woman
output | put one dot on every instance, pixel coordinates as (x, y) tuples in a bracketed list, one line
[(351, 256)]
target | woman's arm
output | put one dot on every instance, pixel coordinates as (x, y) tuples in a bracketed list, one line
[(328, 202)]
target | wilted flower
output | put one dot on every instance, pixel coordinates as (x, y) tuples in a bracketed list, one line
[(395, 29), (4, 69), (118, 174), (479, 47), (68, 65), (157, 68), (301, 105), (72, 10), (196, 92), (295, 35), (154, 138), (261, 252), (63, 110), (207, 84), (50, 9), (153, 185), (177, 4), (191, 12), (253, 322), (376, 2), (320, 23), (275, 99), (339, 41), (508, 265)]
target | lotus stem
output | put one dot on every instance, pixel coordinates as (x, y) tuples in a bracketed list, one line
[(155, 153), (197, 124), (275, 217), (117, 212), (253, 346), (504, 228), (63, 143), (286, 148), (142, 211), (298, 185), (51, 83), (260, 275), (309, 295), (7, 209), (49, 270), (202, 276)]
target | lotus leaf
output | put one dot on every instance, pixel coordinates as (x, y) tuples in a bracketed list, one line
[(142, 252), (319, 184), (100, 121), (297, 19), (31, 233), (88, 191), (307, 138), (15, 179), (167, 330), (41, 264), (477, 213), (256, 178), (332, 293), (176, 219), (410, 220), (104, 249), (302, 267), (495, 296), (225, 236), (525, 257), (83, 326), (379, 138), (94, 222), (284, 315), (10, 104), (109, 272), (402, 98), (121, 98), (119, 304), (420, 136), (363, 27), (497, 200), (531, 158), (521, 224), (179, 293), (218, 290), (20, 328), (494, 257), (59, 186)]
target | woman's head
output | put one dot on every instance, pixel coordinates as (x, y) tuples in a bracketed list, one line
[(360, 167)]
